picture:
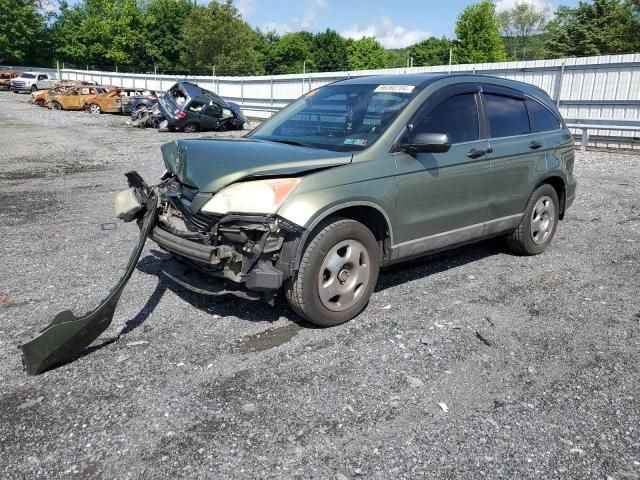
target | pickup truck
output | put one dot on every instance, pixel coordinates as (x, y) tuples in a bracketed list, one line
[(31, 82)]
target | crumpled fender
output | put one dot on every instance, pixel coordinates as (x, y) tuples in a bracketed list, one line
[(67, 335)]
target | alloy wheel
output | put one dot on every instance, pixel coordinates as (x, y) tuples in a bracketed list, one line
[(542, 220), (344, 275)]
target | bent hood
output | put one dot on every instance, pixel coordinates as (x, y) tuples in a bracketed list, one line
[(209, 164)]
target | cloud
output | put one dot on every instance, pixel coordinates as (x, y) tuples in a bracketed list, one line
[(312, 14), (388, 34), (309, 20), (246, 8), (502, 5), (279, 28)]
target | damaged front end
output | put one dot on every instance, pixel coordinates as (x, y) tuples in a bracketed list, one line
[(256, 252), (67, 335)]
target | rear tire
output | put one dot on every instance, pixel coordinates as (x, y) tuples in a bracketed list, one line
[(337, 274), (191, 128), (95, 109), (539, 223)]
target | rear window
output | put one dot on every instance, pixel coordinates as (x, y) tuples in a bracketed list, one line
[(507, 116), (541, 118)]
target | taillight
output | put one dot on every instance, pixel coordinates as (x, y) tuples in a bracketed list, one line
[(180, 114), (152, 97)]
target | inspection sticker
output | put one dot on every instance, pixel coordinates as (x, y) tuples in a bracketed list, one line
[(395, 88), (355, 141)]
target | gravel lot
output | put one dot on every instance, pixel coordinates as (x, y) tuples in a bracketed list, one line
[(470, 364)]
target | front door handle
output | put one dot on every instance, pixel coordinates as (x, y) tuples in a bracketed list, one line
[(478, 152), (535, 145)]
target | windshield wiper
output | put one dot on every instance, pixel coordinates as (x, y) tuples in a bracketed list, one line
[(287, 142)]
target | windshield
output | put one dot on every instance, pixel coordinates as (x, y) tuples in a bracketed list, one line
[(28, 75), (338, 117)]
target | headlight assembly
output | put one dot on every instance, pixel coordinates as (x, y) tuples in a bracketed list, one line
[(257, 196)]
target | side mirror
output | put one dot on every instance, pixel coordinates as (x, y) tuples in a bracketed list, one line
[(427, 143)]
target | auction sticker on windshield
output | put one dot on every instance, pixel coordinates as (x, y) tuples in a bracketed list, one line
[(395, 88)]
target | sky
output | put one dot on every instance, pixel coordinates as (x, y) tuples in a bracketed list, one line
[(395, 24)]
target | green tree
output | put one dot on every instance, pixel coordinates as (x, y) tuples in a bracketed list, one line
[(432, 51), (163, 23), (265, 48), (601, 27), (22, 33), (365, 54), (521, 27), (125, 33), (330, 52), (478, 33), (293, 53), (67, 33), (101, 33), (216, 35)]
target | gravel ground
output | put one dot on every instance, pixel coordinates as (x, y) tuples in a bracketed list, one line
[(470, 364)]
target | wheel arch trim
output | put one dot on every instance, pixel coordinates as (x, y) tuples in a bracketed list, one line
[(549, 178), (332, 210)]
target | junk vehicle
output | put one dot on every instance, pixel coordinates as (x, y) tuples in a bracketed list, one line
[(31, 82), (75, 98), (147, 99), (144, 117), (190, 108), (5, 78), (115, 101), (353, 176), (41, 97)]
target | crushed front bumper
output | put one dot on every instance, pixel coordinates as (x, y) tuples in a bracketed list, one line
[(255, 251)]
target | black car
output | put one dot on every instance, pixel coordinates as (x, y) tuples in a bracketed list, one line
[(147, 100), (190, 108)]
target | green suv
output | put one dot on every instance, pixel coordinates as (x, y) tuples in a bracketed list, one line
[(360, 174)]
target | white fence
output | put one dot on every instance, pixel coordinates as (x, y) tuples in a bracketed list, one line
[(604, 87)]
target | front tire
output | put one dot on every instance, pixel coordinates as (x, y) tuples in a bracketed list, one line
[(34, 88), (56, 106), (95, 109), (539, 223), (337, 274)]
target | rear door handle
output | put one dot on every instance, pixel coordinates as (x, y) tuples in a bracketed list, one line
[(535, 145), (478, 152)]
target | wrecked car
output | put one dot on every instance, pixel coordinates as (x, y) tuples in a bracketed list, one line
[(75, 98), (146, 99), (356, 175), (5, 78), (115, 101), (146, 117), (41, 97), (190, 108)]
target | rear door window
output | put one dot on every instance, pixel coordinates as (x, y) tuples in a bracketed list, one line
[(456, 116), (507, 116), (541, 118)]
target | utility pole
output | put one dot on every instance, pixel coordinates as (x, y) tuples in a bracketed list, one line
[(58, 68), (450, 58)]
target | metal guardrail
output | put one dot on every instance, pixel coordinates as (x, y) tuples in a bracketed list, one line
[(586, 124)]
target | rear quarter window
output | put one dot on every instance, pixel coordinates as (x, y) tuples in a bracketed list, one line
[(507, 116), (541, 118)]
